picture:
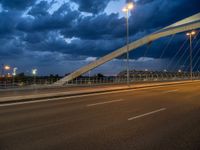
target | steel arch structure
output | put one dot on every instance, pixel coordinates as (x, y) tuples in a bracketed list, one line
[(190, 23)]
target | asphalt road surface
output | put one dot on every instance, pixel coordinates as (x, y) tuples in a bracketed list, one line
[(160, 118)]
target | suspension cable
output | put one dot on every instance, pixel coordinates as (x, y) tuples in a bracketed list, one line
[(182, 56), (197, 42), (146, 50), (166, 47), (179, 50), (197, 59)]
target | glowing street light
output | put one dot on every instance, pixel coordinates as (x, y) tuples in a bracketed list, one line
[(34, 72), (14, 71), (6, 67), (126, 9), (190, 34), (14, 74)]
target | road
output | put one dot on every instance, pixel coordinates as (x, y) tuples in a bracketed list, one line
[(160, 118)]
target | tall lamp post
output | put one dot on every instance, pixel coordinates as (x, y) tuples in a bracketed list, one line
[(6, 68), (190, 34), (14, 74), (34, 72), (127, 9)]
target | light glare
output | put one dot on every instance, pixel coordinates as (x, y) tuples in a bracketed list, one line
[(124, 9), (7, 67), (130, 6), (34, 71), (193, 33)]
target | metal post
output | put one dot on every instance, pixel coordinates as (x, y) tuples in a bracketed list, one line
[(34, 79), (191, 69), (127, 38), (13, 81)]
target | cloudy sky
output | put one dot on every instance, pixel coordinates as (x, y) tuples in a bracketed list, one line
[(59, 36)]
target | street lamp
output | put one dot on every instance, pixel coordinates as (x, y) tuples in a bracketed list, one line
[(34, 72), (190, 34), (14, 74), (14, 71), (6, 67), (126, 9)]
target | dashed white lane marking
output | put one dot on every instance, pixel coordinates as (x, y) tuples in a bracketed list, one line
[(102, 103), (171, 91), (146, 114)]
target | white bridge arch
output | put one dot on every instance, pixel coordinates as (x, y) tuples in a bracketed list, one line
[(184, 25)]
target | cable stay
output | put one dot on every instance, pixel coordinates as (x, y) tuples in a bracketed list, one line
[(187, 59), (180, 59), (177, 53), (148, 46), (183, 54)]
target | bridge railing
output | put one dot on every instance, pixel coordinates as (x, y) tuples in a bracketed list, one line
[(137, 79), (89, 81)]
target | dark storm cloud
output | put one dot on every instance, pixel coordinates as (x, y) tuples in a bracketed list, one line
[(40, 9), (96, 27), (161, 13), (11, 48), (17, 4), (92, 6), (76, 47), (8, 22), (43, 21), (40, 35)]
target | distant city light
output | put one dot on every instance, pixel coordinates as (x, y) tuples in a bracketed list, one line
[(6, 67), (9, 75), (34, 72), (14, 71)]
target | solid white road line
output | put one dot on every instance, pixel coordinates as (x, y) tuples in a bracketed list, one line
[(146, 114), (171, 91), (102, 103)]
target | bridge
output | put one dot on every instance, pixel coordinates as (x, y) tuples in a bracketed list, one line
[(147, 116), (188, 24)]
